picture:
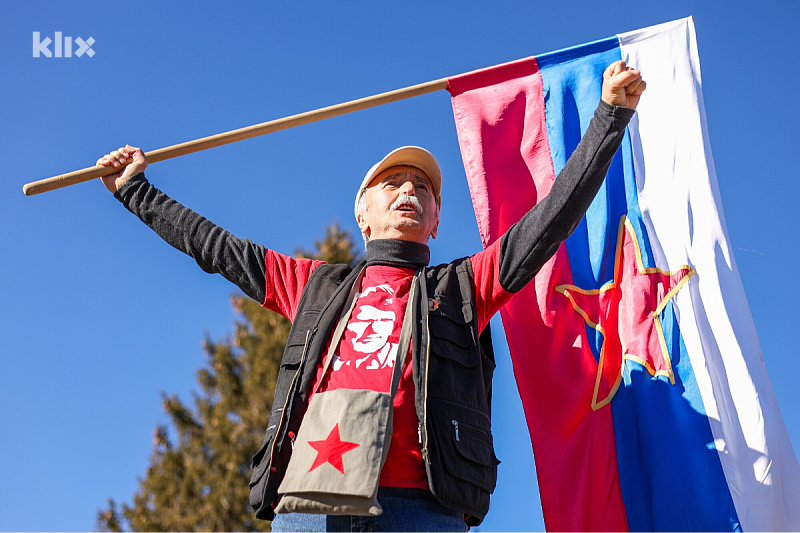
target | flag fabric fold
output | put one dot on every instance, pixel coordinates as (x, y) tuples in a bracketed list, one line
[(634, 350)]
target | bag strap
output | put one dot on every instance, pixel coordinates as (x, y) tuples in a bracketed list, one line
[(404, 342), (405, 333)]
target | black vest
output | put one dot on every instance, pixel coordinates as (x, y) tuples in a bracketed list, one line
[(452, 366)]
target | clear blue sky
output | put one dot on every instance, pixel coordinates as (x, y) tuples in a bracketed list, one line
[(98, 316)]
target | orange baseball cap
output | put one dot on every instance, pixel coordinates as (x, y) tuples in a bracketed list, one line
[(412, 156)]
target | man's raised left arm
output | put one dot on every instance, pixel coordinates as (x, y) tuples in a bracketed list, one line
[(529, 243)]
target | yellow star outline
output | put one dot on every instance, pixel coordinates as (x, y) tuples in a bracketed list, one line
[(574, 293)]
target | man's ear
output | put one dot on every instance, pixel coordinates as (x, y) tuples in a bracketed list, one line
[(363, 225), (435, 230)]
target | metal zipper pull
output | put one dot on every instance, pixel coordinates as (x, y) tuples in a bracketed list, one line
[(419, 432), (455, 423), (425, 455), (291, 438)]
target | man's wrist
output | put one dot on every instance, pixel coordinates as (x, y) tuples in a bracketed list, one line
[(129, 187), (615, 113)]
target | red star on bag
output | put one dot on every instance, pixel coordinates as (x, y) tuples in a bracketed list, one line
[(331, 450)]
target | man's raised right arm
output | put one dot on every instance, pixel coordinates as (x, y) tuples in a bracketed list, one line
[(215, 250)]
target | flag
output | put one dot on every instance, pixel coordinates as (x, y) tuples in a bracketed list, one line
[(635, 354)]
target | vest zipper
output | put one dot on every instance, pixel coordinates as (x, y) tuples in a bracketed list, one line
[(283, 412), (424, 432), (455, 424)]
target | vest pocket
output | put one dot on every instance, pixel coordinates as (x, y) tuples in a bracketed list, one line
[(463, 464), (295, 346), (475, 445), (451, 334), (260, 464)]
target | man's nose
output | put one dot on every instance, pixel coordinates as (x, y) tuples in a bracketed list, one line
[(408, 187)]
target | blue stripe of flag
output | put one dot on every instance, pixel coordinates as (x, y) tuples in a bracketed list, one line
[(670, 474)]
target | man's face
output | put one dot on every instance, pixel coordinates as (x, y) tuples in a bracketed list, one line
[(372, 327), (391, 215)]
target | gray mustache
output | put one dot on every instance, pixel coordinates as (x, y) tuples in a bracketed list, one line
[(405, 199)]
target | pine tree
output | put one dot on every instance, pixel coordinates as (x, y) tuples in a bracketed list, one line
[(200, 464)]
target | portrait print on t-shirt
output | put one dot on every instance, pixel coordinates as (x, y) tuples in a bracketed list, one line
[(371, 327), (367, 351)]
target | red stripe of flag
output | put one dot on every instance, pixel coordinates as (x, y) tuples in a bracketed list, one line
[(500, 118)]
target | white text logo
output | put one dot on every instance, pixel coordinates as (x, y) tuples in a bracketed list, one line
[(62, 46)]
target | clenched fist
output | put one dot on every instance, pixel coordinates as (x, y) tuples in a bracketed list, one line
[(622, 85)]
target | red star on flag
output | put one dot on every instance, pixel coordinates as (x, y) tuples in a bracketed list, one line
[(626, 312), (331, 450)]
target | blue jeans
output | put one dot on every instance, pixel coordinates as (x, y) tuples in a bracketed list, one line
[(403, 510)]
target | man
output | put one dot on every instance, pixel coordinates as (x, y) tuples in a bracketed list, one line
[(440, 468)]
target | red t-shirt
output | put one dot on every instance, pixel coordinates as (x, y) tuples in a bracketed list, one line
[(367, 351)]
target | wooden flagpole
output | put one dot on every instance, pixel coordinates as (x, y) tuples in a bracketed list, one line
[(161, 154)]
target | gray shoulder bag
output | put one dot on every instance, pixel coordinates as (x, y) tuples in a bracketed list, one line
[(344, 438)]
